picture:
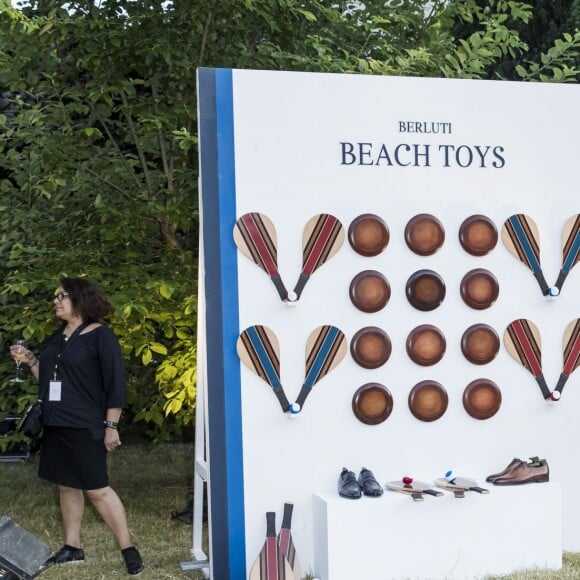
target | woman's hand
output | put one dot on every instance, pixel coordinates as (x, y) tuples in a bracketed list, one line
[(112, 440), (25, 355)]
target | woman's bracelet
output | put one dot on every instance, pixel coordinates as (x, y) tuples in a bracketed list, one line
[(34, 363), (111, 424)]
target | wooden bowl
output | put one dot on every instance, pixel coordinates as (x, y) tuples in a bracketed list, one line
[(478, 235), (426, 345), (479, 289), (424, 234), (482, 399), (369, 291), (425, 290), (428, 400), (372, 403), (370, 347), (480, 344), (368, 235)]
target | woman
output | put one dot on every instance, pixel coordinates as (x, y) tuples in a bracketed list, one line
[(83, 389)]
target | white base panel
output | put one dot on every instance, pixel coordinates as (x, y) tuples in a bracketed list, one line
[(393, 537)]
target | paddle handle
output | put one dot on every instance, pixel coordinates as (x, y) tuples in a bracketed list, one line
[(302, 279), (546, 393), (561, 382), (562, 276), (277, 279), (279, 392), (304, 392), (542, 282)]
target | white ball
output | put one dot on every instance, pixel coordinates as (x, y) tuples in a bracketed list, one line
[(554, 291), (292, 297), (555, 396), (294, 409)]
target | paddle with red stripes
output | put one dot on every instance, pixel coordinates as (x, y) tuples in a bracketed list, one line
[(286, 542), (571, 355), (259, 349), (323, 236), (325, 349), (570, 248), (521, 237), (271, 564), (255, 237), (523, 343)]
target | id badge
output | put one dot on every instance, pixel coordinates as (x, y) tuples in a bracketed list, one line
[(54, 390)]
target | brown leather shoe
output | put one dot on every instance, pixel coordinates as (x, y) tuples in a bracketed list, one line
[(515, 462), (525, 473)]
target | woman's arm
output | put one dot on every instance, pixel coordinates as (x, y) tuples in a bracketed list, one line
[(29, 359)]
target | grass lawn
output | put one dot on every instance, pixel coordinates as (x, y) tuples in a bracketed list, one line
[(151, 484)]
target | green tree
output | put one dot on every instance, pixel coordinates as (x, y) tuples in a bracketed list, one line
[(98, 148)]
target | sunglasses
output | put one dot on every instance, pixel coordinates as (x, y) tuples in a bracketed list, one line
[(60, 296)]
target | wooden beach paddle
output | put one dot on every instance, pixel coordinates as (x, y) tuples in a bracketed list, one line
[(523, 343), (325, 349), (255, 237), (459, 485), (286, 542), (323, 236), (521, 237), (259, 350), (571, 354), (570, 248), (416, 489), (271, 564)]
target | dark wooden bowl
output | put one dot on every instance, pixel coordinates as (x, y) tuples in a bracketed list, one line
[(428, 400), (424, 234), (480, 344), (425, 290), (482, 399), (478, 235), (372, 403)]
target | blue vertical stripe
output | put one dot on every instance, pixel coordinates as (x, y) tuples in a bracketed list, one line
[(226, 492)]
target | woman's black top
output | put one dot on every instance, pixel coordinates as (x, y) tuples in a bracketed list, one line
[(90, 369)]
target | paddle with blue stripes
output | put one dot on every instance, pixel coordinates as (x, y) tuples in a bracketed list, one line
[(571, 355), (521, 237), (570, 248), (255, 237), (259, 349), (325, 349)]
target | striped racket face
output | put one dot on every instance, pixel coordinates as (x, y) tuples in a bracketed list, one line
[(323, 236), (572, 347), (255, 237), (325, 348), (522, 239), (571, 242), (523, 343), (259, 349)]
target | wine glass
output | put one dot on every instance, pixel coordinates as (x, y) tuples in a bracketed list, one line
[(18, 358)]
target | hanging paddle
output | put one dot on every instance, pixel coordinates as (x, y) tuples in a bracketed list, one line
[(255, 237), (570, 248), (259, 350), (521, 237), (323, 236), (523, 343), (571, 355), (325, 349)]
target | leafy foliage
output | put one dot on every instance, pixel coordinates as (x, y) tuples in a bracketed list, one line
[(98, 146)]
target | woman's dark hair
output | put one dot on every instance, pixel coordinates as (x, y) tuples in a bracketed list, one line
[(88, 300)]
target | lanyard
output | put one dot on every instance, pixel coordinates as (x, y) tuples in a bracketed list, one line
[(63, 343)]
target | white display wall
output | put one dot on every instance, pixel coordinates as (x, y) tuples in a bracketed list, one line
[(275, 143)]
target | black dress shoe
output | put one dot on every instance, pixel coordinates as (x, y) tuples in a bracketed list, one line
[(369, 485), (348, 485), (67, 555)]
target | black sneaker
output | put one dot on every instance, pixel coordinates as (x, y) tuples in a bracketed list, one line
[(67, 555), (133, 560)]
